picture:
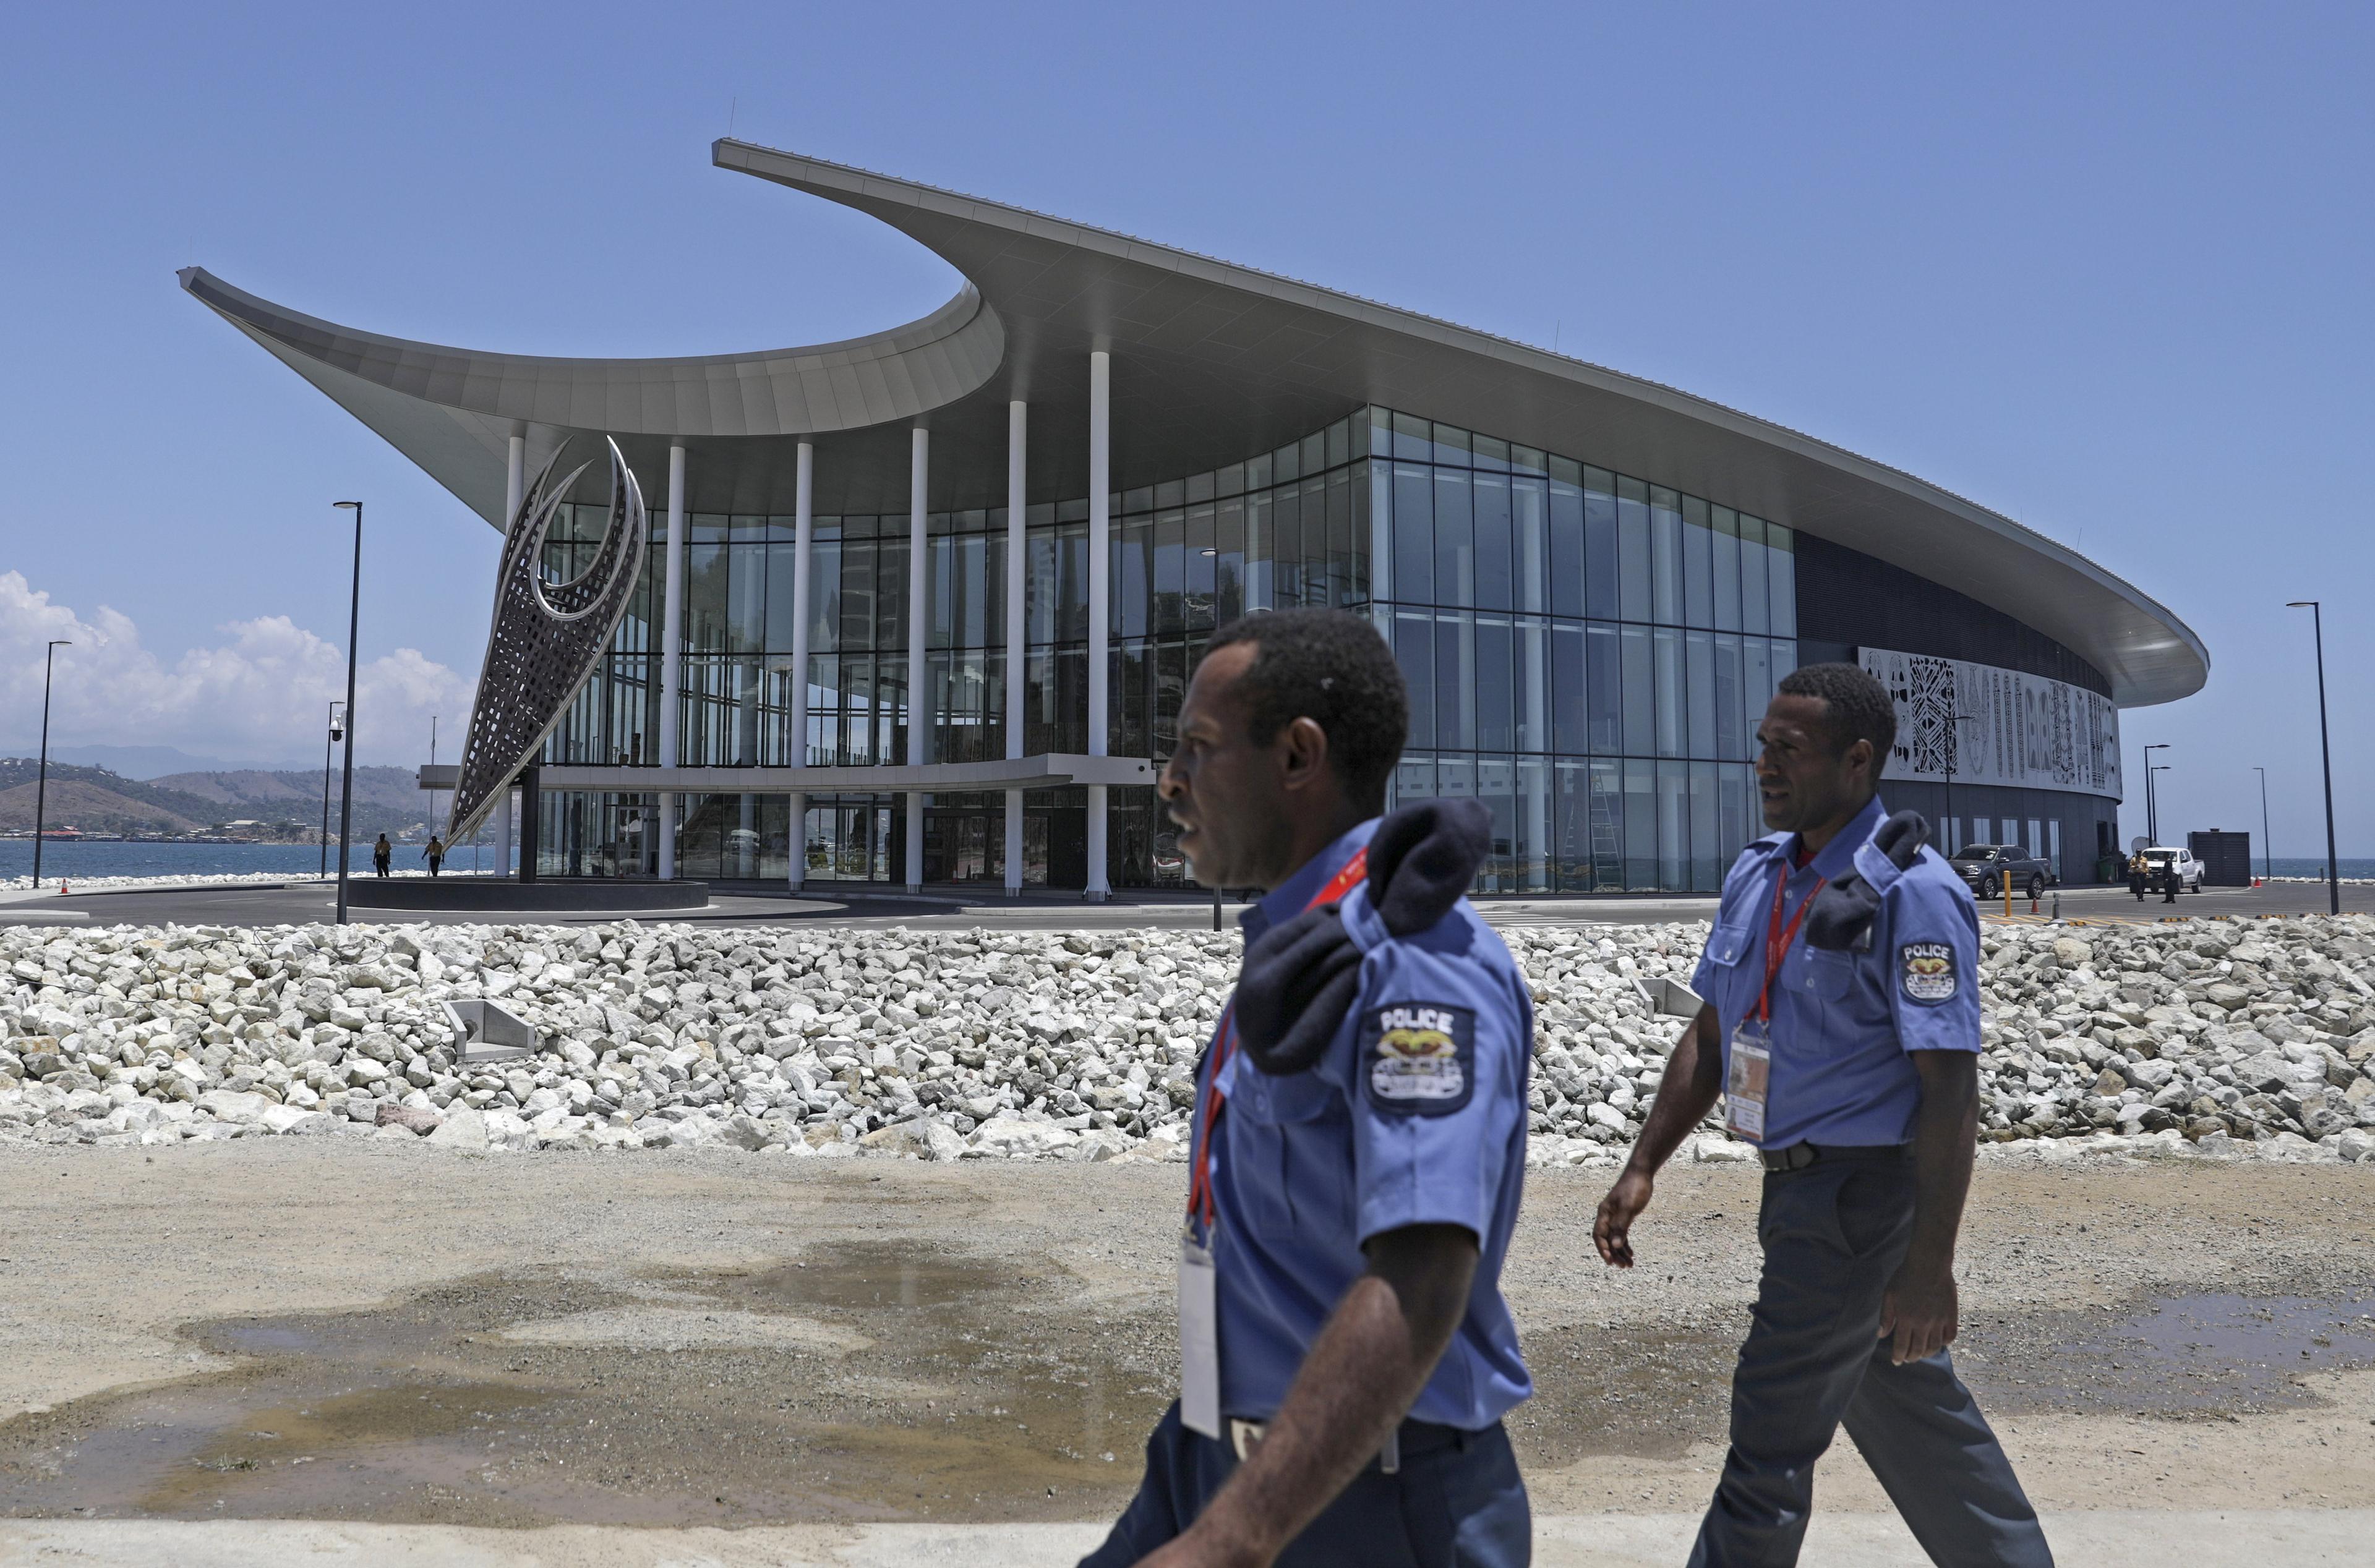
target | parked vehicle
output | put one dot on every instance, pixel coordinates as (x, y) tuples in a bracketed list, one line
[(1988, 868), (2189, 869)]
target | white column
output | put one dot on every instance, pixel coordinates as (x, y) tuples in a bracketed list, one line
[(514, 491), (1017, 656), (803, 551), (671, 640), (1100, 593), (919, 706), (515, 480)]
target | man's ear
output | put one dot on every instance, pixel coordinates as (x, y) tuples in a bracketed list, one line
[(1301, 752), (1860, 754)]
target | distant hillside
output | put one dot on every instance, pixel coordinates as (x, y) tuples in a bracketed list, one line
[(389, 789), (142, 761), (385, 800), (94, 808)]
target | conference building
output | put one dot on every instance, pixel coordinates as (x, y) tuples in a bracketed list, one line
[(920, 607)]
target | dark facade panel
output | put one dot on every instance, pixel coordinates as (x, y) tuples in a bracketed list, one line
[(1847, 600)]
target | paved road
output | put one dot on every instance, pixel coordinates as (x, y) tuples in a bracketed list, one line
[(305, 901)]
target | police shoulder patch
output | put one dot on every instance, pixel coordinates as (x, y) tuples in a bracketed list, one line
[(1418, 1058), (1925, 971)]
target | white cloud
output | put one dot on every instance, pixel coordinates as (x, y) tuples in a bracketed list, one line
[(260, 695)]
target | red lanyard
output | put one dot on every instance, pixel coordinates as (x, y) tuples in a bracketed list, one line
[(1778, 940), (1200, 1180)]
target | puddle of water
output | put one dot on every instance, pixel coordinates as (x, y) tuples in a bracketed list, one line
[(875, 1383), (1653, 1394), (879, 1382), (2177, 1356)]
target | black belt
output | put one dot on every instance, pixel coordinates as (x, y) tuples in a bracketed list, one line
[(1798, 1156), (1407, 1441)]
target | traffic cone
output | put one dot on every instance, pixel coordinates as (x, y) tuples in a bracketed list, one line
[(62, 889)]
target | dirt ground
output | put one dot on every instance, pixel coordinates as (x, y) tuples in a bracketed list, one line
[(328, 1330)]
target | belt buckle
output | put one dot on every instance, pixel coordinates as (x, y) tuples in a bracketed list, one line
[(1797, 1157)]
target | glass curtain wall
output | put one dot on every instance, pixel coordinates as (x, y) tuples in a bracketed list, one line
[(1586, 652)]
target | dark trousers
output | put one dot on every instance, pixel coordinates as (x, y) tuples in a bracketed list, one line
[(1834, 1234), (1456, 1503)]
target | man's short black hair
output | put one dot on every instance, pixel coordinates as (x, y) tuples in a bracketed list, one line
[(1331, 666), (1857, 706)]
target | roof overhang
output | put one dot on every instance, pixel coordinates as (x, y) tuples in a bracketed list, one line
[(1211, 363)]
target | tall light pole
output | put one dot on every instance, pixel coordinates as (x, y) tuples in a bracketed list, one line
[(347, 784), (2325, 749), (2267, 849), (337, 729), (42, 779), (2152, 804)]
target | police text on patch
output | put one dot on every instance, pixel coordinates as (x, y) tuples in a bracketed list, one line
[(1418, 1058), (1926, 972)]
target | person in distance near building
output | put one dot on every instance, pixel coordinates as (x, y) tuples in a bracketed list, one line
[(1842, 1031), (1358, 1145)]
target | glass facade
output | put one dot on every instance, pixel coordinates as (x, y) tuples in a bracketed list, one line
[(1586, 652)]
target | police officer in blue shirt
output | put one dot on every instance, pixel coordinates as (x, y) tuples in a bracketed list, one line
[(1841, 1030), (1358, 1147)]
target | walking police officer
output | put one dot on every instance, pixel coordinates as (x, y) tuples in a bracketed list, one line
[(1841, 1029), (1358, 1147)]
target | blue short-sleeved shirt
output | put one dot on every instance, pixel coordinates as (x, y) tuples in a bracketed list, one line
[(1843, 1021), (1415, 1114)]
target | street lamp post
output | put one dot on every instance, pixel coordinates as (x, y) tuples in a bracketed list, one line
[(346, 782), (2152, 800), (328, 741), (2267, 850), (2325, 750), (41, 778)]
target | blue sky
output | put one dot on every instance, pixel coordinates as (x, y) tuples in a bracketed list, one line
[(2100, 267)]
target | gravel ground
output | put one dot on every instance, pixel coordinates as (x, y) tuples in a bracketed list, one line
[(316, 1329)]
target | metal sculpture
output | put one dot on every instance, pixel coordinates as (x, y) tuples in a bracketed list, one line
[(545, 638)]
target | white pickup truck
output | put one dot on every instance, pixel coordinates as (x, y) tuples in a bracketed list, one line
[(2188, 870)]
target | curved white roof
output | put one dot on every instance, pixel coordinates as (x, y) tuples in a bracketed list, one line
[(1212, 363)]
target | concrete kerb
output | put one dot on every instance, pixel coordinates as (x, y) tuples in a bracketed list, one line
[(2108, 1539)]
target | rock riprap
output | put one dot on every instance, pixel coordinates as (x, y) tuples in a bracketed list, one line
[(2207, 1035)]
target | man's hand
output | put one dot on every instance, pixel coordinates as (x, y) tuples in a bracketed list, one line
[(1687, 1091), (1612, 1230), (1919, 1312)]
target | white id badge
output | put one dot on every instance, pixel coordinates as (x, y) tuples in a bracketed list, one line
[(1750, 1071), (1200, 1341)]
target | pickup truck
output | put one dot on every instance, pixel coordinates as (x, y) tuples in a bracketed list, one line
[(1988, 868), (2162, 859)]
